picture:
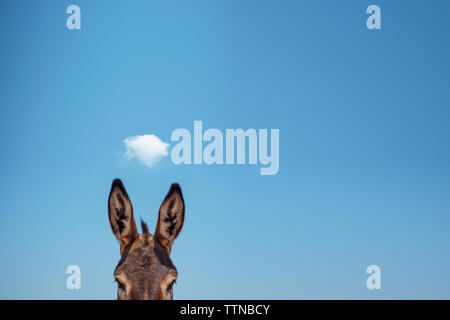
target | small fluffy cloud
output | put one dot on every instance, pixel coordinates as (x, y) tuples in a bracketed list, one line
[(148, 149)]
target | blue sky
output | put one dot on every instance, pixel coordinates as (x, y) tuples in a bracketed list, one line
[(364, 144)]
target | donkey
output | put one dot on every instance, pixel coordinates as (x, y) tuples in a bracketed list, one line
[(145, 270)]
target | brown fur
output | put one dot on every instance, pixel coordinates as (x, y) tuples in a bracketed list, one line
[(145, 270)]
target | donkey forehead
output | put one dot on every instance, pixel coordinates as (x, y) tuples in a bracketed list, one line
[(146, 255)]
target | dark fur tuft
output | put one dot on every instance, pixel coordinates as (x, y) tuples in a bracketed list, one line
[(144, 227)]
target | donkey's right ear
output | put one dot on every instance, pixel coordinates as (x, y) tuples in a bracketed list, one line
[(121, 217)]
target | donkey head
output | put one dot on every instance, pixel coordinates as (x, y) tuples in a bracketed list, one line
[(145, 270)]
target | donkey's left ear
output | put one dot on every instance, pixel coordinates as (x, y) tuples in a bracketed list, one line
[(170, 217), (121, 218)]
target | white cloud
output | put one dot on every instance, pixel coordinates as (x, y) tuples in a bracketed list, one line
[(148, 149)]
